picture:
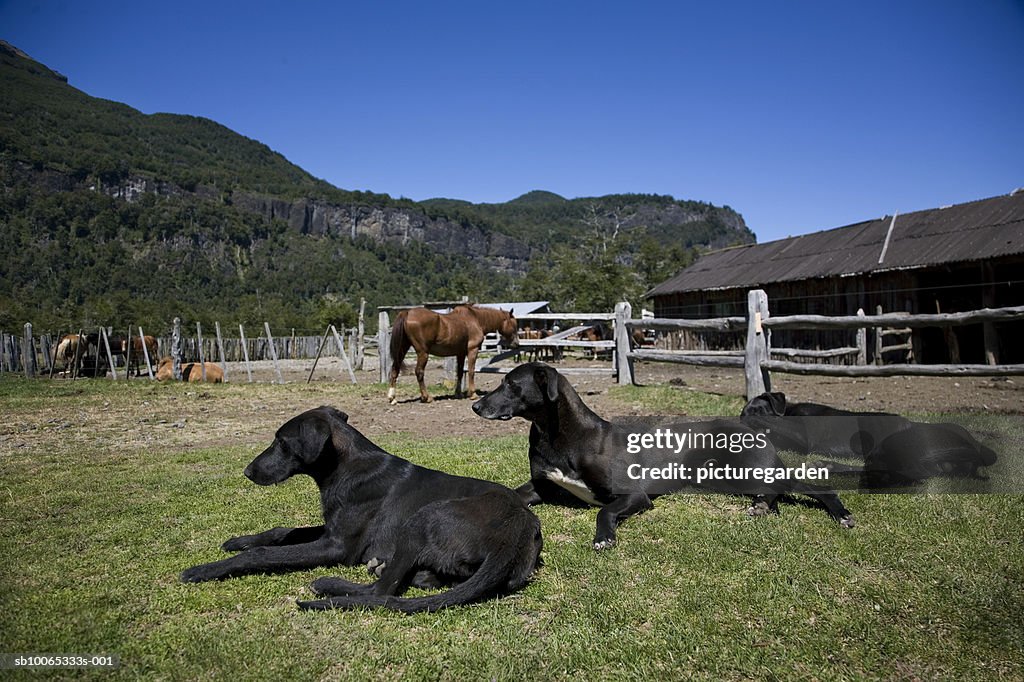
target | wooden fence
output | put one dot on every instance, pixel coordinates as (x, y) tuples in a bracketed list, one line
[(25, 352), (31, 354), (756, 358)]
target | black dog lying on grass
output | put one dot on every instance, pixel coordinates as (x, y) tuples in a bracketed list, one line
[(410, 525), (896, 451), (572, 447), (810, 428)]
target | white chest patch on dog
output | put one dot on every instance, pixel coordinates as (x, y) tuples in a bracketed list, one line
[(573, 485)]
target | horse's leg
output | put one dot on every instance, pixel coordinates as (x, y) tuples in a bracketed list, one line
[(471, 370), (421, 366), (459, 373), (392, 378)]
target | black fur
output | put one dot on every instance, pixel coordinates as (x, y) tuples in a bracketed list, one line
[(895, 450), (416, 526), (570, 442)]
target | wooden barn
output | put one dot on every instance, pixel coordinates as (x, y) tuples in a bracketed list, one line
[(951, 259)]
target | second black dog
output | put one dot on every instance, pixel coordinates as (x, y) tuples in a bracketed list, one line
[(573, 448)]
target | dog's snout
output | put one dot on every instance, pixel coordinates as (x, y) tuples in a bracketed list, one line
[(249, 472), (476, 407)]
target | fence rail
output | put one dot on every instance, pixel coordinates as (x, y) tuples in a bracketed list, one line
[(757, 354), (26, 352)]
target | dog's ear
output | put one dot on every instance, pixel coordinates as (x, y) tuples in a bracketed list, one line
[(546, 379), (314, 435), (777, 402)]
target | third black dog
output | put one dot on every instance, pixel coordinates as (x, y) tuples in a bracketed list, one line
[(573, 448), (896, 451), (411, 525), (810, 428)]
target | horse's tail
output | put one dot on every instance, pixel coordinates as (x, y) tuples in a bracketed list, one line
[(399, 342)]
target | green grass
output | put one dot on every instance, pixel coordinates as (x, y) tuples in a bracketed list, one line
[(92, 540), (678, 400)]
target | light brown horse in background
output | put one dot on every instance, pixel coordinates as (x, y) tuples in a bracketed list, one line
[(460, 333), (70, 349)]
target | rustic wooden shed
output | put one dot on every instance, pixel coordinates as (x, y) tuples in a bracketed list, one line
[(951, 259)]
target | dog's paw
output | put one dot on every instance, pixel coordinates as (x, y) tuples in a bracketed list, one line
[(759, 508), (847, 521), (315, 605), (201, 573), (375, 566), (330, 587), (238, 544), (607, 543)]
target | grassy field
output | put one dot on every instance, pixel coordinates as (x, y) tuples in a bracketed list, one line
[(93, 536)]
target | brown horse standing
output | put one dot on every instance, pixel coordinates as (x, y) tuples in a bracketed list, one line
[(137, 356), (459, 333)]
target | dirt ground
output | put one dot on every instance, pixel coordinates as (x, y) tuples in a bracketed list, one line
[(241, 413)]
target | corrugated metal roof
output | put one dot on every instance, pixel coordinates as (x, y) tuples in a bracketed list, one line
[(518, 308), (977, 230)]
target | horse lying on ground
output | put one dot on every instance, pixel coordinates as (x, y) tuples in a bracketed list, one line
[(190, 371), (410, 525), (460, 333), (573, 448), (896, 451)]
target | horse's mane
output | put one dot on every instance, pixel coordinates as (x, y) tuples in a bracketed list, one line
[(489, 316)]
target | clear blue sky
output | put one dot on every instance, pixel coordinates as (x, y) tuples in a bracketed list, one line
[(802, 115)]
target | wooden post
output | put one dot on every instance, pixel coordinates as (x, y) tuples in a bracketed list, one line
[(273, 353), (988, 300), (128, 355), (360, 332), (145, 354), (202, 357), (623, 363), (220, 349), (96, 356), (758, 381), (319, 350), (384, 345), (341, 352), (45, 349), (53, 360), (27, 353), (79, 350), (353, 348), (176, 349), (245, 351), (862, 341), (110, 356), (878, 339)]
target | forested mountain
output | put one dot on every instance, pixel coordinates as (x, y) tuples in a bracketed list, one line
[(113, 216)]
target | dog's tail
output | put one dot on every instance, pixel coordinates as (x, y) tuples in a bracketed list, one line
[(399, 342), (504, 570)]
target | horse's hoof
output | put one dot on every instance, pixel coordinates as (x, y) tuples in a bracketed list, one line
[(428, 399), (393, 401)]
